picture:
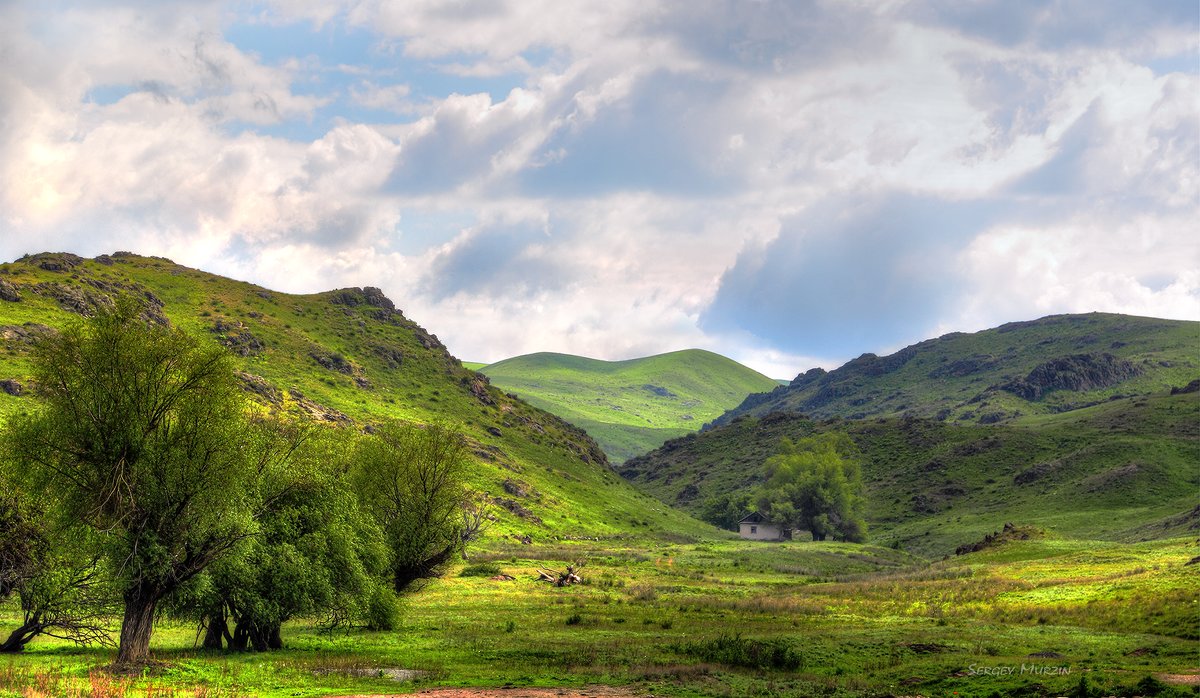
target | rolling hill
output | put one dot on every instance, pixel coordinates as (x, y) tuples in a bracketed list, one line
[(632, 406), (1092, 444), (1055, 364), (347, 357)]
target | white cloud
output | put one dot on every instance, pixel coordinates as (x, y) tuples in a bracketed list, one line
[(644, 147)]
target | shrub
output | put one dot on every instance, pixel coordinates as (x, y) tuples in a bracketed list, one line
[(481, 569), (737, 651)]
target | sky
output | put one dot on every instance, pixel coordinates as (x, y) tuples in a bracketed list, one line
[(788, 183)]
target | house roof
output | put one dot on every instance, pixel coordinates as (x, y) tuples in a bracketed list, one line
[(754, 517)]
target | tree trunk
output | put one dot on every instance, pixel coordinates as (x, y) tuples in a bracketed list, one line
[(137, 625), (241, 636), (215, 632), (20, 637), (274, 639)]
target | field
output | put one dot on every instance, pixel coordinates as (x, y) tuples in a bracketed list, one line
[(724, 617)]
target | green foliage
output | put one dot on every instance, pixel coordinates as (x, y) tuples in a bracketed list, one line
[(726, 509), (411, 479), (316, 552), (480, 569), (142, 435), (815, 484), (737, 651)]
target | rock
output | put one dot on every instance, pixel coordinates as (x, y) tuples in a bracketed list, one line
[(495, 432), (238, 339), (516, 489), (333, 362), (976, 363), (374, 297), (1192, 387), (479, 388), (260, 387), (11, 386), (105, 260), (54, 261), (8, 292), (658, 390), (1077, 372), (391, 356)]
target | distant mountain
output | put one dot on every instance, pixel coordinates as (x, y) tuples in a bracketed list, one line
[(632, 406), (1087, 425), (1055, 364), (346, 357)]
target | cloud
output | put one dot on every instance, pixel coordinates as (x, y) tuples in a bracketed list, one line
[(1064, 25), (787, 182), (502, 259), (853, 274)]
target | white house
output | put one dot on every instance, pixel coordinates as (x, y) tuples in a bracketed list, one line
[(757, 527)]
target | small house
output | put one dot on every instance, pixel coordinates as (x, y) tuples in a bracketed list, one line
[(757, 527)]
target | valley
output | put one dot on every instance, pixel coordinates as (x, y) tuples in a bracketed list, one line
[(1092, 459)]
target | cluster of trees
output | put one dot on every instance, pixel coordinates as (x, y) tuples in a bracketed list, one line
[(145, 483), (813, 484)]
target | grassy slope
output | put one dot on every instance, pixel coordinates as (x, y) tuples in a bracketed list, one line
[(1116, 471), (630, 407), (955, 377), (392, 368)]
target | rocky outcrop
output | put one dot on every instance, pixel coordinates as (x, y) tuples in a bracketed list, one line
[(1192, 387), (8, 292), (1077, 372), (11, 386), (53, 261), (237, 338)]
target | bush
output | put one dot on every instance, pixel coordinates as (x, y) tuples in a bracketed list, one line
[(481, 569), (736, 651)]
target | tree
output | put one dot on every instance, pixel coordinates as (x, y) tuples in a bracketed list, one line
[(816, 484), (411, 479), (315, 553), (58, 583), (142, 435), (726, 510)]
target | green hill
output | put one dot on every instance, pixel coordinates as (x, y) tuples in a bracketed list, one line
[(630, 407), (1055, 364), (346, 357), (1093, 445), (1124, 470)]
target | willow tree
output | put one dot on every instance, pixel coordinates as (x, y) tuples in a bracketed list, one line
[(142, 435), (411, 480)]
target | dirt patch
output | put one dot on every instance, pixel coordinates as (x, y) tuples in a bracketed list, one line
[(516, 692)]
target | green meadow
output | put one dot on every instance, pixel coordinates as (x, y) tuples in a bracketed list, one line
[(723, 617)]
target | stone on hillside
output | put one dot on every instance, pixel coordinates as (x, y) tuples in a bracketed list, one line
[(8, 292), (11, 386)]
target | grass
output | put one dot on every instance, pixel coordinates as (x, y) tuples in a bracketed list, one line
[(728, 618), (630, 407)]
